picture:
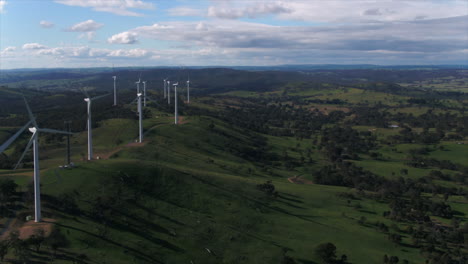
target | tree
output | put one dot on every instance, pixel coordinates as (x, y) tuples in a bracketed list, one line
[(56, 240), (20, 247), (4, 246), (393, 260), (288, 260), (37, 238), (326, 252)]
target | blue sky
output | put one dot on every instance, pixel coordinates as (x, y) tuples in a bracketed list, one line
[(96, 33)]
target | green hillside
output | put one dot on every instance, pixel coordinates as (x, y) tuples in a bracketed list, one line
[(248, 176)]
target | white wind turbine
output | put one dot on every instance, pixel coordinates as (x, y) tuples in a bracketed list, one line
[(33, 141), (169, 92), (176, 114), (144, 93), (188, 90), (115, 91), (138, 85), (164, 81), (140, 118), (88, 100)]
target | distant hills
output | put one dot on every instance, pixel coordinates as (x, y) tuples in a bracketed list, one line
[(285, 67)]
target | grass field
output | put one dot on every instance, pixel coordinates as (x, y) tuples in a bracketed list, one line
[(189, 193), (203, 198)]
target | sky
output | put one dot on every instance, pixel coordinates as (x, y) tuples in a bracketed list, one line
[(103, 33)]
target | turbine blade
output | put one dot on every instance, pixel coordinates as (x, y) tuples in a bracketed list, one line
[(31, 116), (14, 137), (100, 96), (85, 92), (25, 150), (48, 130)]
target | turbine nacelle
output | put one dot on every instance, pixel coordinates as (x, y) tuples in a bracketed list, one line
[(32, 130)]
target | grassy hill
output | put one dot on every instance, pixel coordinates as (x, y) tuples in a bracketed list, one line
[(219, 187)]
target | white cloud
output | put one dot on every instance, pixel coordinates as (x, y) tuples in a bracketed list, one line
[(9, 49), (371, 11), (123, 38), (251, 11), (46, 24), (133, 53), (87, 35), (85, 26), (343, 11), (185, 11), (33, 46), (2, 5), (118, 7)]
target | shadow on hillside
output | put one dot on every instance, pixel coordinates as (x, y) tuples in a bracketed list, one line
[(139, 254), (261, 239), (282, 196), (273, 208), (303, 261), (139, 227), (151, 212)]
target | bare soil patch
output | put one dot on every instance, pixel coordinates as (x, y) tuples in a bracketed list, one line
[(299, 180), (28, 228)]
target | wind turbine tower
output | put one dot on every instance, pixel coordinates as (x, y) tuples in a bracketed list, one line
[(164, 87), (33, 141), (88, 100), (138, 85), (176, 115), (140, 118), (188, 91), (115, 91), (144, 93), (168, 92)]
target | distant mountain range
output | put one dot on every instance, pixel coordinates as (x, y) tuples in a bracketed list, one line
[(286, 67)]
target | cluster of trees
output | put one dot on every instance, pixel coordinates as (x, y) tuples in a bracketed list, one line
[(8, 196), (23, 248), (339, 143), (327, 253)]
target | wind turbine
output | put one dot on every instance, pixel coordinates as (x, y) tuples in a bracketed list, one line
[(138, 85), (115, 91), (176, 115), (33, 141), (164, 81), (144, 93), (169, 92), (188, 90), (140, 118), (88, 100)]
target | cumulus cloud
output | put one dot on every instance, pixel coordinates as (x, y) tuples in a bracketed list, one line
[(123, 38), (33, 46), (252, 11), (9, 49), (46, 24), (118, 7), (371, 11), (409, 36), (85, 52), (85, 26), (133, 53), (185, 11)]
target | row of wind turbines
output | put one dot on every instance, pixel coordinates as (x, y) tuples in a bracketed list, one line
[(35, 131)]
